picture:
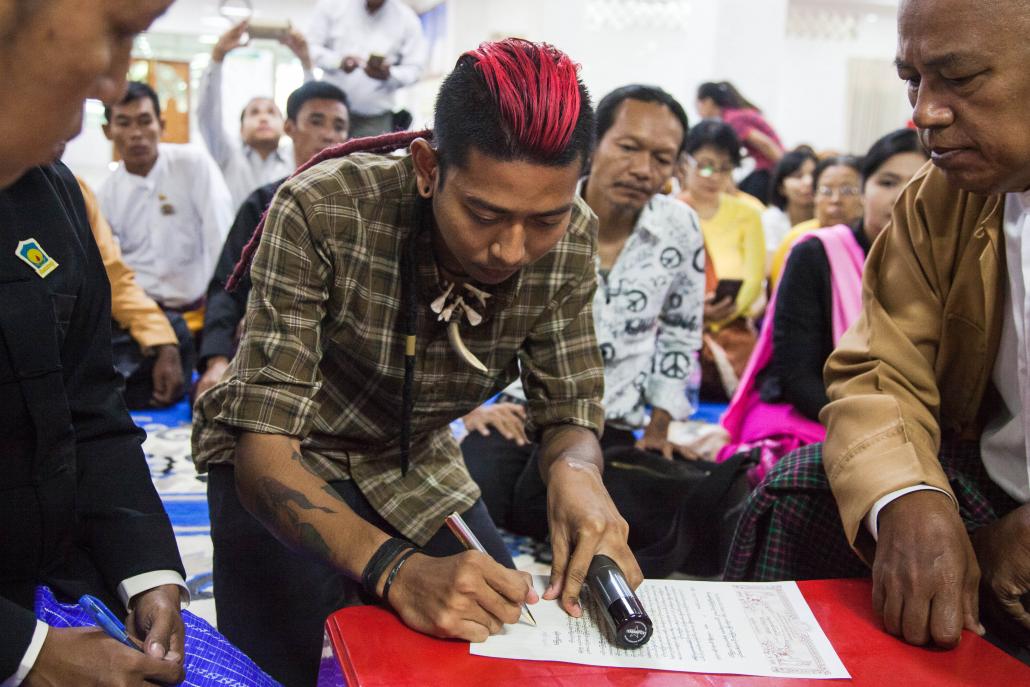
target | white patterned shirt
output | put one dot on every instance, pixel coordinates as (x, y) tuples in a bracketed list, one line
[(648, 313)]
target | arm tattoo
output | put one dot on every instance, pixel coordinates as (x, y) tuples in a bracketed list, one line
[(328, 489), (279, 504), (298, 458)]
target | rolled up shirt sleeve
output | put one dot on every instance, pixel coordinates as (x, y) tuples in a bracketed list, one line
[(277, 364)]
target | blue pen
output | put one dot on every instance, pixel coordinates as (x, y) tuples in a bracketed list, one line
[(106, 620)]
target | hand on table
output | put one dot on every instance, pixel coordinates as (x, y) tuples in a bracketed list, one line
[(925, 574), (584, 522), (507, 418), (1003, 551), (467, 596), (167, 376)]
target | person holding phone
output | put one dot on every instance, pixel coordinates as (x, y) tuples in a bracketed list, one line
[(732, 229), (260, 154), (735, 243), (370, 49)]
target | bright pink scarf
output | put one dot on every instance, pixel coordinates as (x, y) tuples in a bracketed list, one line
[(777, 428)]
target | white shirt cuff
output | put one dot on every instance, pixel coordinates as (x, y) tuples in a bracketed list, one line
[(29, 658), (137, 584), (871, 520)]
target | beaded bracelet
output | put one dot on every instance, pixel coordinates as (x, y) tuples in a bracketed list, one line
[(378, 563), (396, 569)]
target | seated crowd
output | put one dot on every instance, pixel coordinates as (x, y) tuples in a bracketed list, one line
[(571, 284)]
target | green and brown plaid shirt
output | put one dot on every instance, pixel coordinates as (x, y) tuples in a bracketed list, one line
[(322, 354)]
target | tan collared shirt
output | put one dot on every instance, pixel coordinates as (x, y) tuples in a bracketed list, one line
[(322, 355)]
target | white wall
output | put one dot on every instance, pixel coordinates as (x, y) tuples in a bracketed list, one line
[(800, 81), (811, 99)]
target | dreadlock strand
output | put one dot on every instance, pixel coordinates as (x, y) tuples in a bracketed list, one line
[(387, 143), (409, 276)]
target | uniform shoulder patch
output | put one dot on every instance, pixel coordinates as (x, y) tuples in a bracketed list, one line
[(33, 255)]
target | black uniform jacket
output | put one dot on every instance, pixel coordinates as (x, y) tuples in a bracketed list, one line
[(78, 510)]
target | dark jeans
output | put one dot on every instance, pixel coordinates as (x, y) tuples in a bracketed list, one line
[(509, 477), (138, 370), (272, 603)]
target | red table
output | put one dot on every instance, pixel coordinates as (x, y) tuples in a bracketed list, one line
[(375, 650)]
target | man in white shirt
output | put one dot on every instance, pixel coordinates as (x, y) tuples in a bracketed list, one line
[(167, 204), (926, 449), (648, 307), (260, 154), (369, 48)]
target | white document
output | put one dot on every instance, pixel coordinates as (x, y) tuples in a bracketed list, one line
[(745, 628)]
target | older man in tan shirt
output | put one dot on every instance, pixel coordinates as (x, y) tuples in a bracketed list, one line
[(926, 451)]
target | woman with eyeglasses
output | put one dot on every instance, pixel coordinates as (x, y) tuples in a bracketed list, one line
[(837, 186), (723, 101), (779, 399), (734, 240)]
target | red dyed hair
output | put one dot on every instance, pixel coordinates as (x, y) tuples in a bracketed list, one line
[(536, 87), (387, 143)]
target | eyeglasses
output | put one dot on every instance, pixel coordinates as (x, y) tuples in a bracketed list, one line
[(708, 169), (843, 191)]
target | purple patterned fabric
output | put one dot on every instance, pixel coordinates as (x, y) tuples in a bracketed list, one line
[(210, 659)]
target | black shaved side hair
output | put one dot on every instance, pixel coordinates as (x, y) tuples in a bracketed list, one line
[(467, 116), (137, 90), (608, 108)]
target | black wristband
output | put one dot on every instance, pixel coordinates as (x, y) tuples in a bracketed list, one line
[(393, 572), (379, 562)]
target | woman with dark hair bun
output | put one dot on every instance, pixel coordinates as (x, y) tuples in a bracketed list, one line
[(723, 101), (778, 402), (791, 198)]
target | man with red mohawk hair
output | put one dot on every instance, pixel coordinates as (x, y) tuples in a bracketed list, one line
[(391, 296)]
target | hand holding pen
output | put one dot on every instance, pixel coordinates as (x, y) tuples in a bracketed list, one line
[(86, 655), (467, 596), (468, 539)]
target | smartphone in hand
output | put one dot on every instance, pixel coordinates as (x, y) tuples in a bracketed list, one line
[(727, 288)]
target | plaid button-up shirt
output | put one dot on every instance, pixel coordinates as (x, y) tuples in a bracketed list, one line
[(322, 354)]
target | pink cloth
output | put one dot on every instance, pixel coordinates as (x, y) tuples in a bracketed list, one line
[(743, 122), (776, 429)]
